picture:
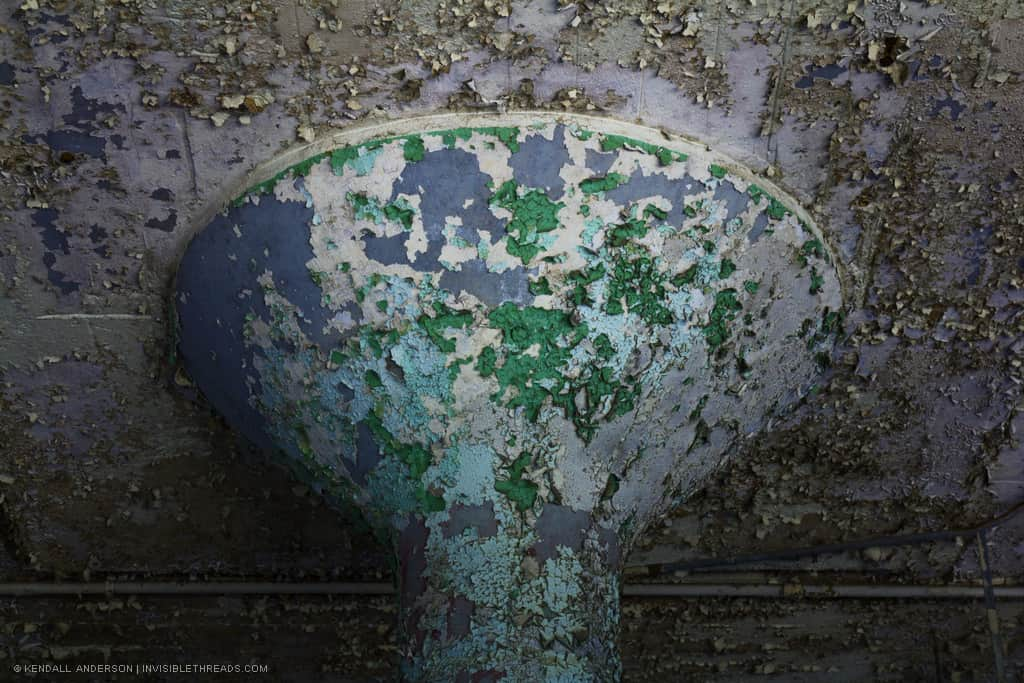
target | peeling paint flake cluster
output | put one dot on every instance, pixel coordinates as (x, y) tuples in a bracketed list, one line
[(508, 345)]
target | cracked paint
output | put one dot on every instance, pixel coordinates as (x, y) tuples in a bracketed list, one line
[(580, 336)]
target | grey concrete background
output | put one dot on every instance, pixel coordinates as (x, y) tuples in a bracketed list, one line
[(899, 124)]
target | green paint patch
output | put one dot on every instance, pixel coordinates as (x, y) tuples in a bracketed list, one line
[(651, 211), (750, 286), (598, 389), (776, 209), (610, 143), (539, 287), (431, 502), (302, 440), (374, 339), (509, 136), (726, 269), (532, 214), (817, 280), (412, 148), (366, 208), (267, 186), (603, 347), (622, 233), (520, 491), (372, 379), (641, 286), (602, 183), (342, 156), (368, 286), (486, 362), (699, 408), (303, 168), (717, 171), (456, 367), (537, 343), (812, 247), (443, 319), (756, 192), (371, 209), (580, 279), (400, 210), (580, 133), (449, 137), (832, 322), (686, 277), (317, 277), (414, 456), (725, 309)]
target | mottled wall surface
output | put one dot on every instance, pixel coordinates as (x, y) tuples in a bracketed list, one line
[(125, 125)]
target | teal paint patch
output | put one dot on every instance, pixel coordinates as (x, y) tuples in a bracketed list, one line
[(592, 226), (372, 209)]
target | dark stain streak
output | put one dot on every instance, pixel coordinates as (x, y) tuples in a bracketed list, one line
[(78, 135), (955, 108), (56, 277), (825, 73), (167, 224), (53, 239), (6, 74)]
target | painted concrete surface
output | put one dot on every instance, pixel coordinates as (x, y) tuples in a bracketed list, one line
[(634, 310), (123, 123)]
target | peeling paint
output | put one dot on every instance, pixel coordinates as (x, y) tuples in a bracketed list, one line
[(499, 393)]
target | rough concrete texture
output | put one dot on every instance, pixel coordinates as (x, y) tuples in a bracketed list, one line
[(897, 124)]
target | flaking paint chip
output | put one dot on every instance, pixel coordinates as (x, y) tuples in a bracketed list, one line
[(314, 43)]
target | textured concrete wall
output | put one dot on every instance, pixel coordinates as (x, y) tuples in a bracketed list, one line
[(899, 123)]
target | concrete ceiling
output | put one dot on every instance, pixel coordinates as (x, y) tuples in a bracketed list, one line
[(899, 124)]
